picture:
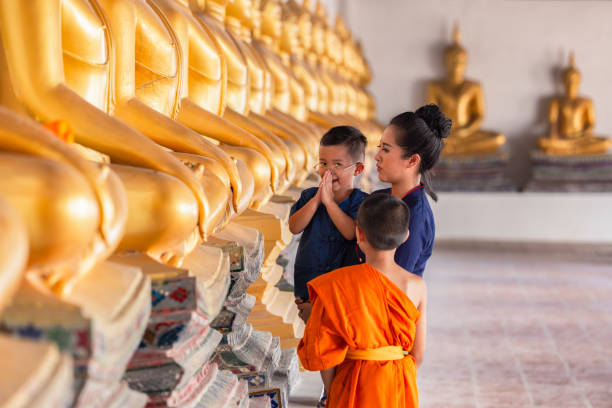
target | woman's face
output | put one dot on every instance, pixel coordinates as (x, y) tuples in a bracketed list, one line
[(390, 164)]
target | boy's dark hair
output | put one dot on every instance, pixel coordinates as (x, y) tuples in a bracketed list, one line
[(384, 220), (349, 136)]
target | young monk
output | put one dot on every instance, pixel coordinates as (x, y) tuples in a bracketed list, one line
[(369, 320)]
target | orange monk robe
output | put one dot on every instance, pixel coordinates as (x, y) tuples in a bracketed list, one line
[(359, 308)]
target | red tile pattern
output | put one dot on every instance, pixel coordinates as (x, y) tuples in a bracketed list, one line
[(510, 329)]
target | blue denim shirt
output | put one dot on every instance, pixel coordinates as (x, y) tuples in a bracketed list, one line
[(414, 253), (322, 247)]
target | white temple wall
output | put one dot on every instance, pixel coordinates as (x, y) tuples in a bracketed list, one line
[(516, 50)]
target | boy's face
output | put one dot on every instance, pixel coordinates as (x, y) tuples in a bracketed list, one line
[(342, 166)]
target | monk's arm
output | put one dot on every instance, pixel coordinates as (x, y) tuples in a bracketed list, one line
[(418, 348), (328, 376), (302, 217)]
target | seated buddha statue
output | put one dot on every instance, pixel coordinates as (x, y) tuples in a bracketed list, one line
[(288, 96), (202, 98), (296, 39), (239, 23), (572, 120), (463, 101), (211, 14), (66, 73), (320, 57)]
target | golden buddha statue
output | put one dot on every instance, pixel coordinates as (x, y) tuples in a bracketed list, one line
[(66, 73), (324, 51), (239, 22), (572, 120), (211, 15), (288, 99), (202, 98), (462, 101), (147, 80), (296, 41)]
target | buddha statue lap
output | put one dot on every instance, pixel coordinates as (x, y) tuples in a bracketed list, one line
[(463, 101), (572, 120)]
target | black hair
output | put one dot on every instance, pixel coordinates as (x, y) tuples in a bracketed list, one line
[(422, 132), (349, 136), (384, 220)]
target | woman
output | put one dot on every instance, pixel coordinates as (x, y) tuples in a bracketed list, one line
[(409, 147)]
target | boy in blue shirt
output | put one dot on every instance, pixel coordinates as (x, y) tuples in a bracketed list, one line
[(325, 215)]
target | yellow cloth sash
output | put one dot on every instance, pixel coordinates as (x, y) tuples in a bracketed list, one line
[(379, 354)]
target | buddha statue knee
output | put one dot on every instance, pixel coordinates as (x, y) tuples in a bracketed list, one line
[(13, 251), (159, 230), (462, 101), (58, 207), (259, 169), (572, 120), (215, 183)]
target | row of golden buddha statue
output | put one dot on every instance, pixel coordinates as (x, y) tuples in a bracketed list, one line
[(179, 118), (571, 117)]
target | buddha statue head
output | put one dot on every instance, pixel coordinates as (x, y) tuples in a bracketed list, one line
[(271, 24), (455, 58), (571, 78), (289, 42)]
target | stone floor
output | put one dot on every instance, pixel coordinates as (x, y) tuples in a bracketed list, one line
[(510, 329)]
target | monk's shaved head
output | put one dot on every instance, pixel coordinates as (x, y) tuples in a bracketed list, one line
[(384, 221)]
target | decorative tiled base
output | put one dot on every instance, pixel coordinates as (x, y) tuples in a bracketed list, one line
[(592, 173), (472, 173), (99, 335)]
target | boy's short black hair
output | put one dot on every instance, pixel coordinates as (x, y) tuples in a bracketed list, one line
[(384, 220), (354, 140)]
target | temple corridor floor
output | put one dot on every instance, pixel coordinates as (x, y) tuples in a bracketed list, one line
[(511, 329)]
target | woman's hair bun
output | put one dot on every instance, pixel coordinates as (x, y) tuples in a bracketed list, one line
[(439, 124)]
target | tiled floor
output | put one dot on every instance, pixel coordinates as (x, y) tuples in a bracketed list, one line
[(510, 329)]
